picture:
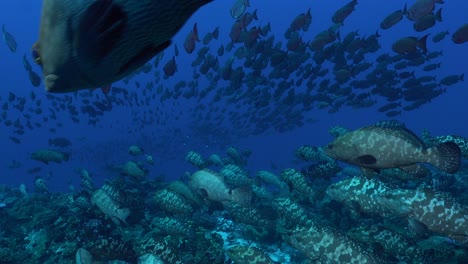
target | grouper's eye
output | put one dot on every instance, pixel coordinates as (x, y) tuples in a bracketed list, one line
[(330, 146)]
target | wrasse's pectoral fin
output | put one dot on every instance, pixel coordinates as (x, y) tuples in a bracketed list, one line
[(100, 28)]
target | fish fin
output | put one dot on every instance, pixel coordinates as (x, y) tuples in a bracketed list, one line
[(447, 157), (422, 43), (102, 25), (123, 214), (106, 88), (143, 56), (241, 195), (366, 160), (438, 15), (368, 172), (416, 170), (418, 228), (195, 32)]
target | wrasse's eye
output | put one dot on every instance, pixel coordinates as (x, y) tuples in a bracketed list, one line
[(36, 57)]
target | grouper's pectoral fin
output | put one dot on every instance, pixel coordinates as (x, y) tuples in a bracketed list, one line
[(100, 28), (366, 160)]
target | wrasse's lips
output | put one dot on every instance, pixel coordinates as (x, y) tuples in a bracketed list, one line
[(50, 82)]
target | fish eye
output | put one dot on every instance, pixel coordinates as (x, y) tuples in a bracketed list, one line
[(36, 57), (330, 146)]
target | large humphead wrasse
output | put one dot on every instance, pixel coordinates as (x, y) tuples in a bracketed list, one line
[(92, 43), (388, 145)]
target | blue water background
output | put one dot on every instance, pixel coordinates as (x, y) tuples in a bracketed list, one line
[(447, 114)]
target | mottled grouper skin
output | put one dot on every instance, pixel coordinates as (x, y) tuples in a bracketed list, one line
[(296, 181), (106, 199), (328, 246), (439, 212), (393, 243), (248, 255), (364, 192), (383, 147), (391, 147)]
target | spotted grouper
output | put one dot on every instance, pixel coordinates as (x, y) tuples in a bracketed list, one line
[(92, 43), (389, 145)]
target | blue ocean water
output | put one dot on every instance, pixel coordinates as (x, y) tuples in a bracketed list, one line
[(169, 129), (446, 114)]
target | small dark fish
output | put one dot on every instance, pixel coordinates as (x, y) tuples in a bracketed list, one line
[(392, 19), (14, 164), (176, 51), (341, 14), (15, 140), (427, 21), (192, 37), (420, 8), (389, 106), (452, 79), (239, 7), (302, 21), (461, 35), (34, 78), (60, 142), (440, 36), (215, 33), (34, 170), (9, 40), (393, 113), (170, 67), (431, 67), (408, 45), (50, 155), (26, 64)]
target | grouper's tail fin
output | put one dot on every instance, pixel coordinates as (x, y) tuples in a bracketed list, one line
[(446, 157)]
